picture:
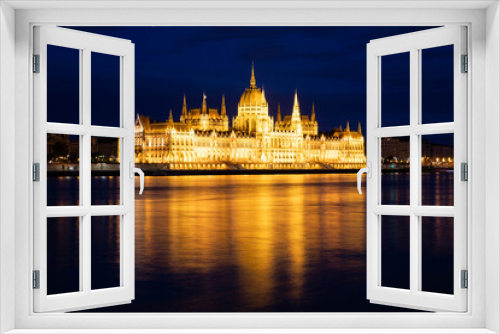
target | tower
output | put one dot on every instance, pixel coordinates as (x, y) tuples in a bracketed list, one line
[(313, 124), (204, 119), (204, 109), (223, 106), (253, 112), (170, 120), (359, 127), (296, 124), (184, 110), (253, 82), (223, 115), (278, 117)]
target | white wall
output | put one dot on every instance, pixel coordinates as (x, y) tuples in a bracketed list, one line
[(492, 165), (7, 157), (483, 152)]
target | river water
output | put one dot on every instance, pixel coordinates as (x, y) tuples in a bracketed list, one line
[(262, 243)]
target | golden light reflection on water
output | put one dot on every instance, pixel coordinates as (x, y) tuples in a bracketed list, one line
[(271, 228), (270, 243)]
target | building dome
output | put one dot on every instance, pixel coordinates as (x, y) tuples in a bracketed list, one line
[(253, 96)]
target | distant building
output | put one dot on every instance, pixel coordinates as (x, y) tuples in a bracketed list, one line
[(62, 149), (437, 155), (396, 152), (104, 149), (58, 148), (202, 138)]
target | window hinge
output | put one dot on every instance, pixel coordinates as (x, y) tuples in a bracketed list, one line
[(36, 172), (465, 64), (36, 279), (465, 279), (464, 171), (36, 63)]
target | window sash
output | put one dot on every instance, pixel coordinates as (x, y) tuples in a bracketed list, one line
[(414, 43), (86, 43)]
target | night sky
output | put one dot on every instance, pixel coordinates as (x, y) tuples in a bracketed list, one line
[(327, 65)]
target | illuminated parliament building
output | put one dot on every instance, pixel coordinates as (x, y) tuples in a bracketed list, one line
[(203, 139)]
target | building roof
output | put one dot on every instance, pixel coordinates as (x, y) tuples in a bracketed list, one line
[(253, 96)]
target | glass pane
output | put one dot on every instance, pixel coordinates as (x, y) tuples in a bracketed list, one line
[(437, 84), (105, 171), (63, 255), (63, 85), (395, 162), (437, 170), (395, 95), (105, 252), (437, 254), (63, 170), (395, 251), (105, 90)]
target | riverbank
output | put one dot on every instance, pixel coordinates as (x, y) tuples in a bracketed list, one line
[(179, 172)]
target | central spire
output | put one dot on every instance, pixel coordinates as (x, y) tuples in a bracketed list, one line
[(253, 82)]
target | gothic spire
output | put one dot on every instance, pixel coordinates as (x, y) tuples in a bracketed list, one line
[(223, 106), (204, 109), (347, 128), (170, 117), (253, 82), (313, 114), (296, 121), (278, 117), (359, 127), (296, 108), (184, 107), (295, 100), (263, 98)]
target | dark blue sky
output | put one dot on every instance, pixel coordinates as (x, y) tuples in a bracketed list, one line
[(327, 65)]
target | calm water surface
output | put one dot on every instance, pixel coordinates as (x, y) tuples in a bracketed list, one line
[(263, 243)]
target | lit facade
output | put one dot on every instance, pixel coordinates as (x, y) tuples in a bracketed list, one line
[(202, 139)]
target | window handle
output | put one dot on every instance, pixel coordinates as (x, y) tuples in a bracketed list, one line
[(139, 171), (368, 171)]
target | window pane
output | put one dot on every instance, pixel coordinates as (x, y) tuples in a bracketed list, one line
[(105, 171), (395, 95), (105, 90), (105, 252), (437, 170), (437, 254), (63, 170), (395, 162), (63, 85), (63, 255), (395, 251), (437, 84)]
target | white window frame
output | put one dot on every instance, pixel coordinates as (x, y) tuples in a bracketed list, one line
[(482, 19)]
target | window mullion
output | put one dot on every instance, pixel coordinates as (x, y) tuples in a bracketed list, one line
[(86, 174), (415, 247)]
